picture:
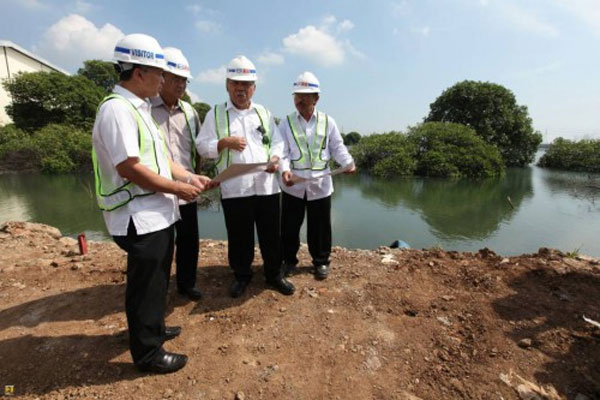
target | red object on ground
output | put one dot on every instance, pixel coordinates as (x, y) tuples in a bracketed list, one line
[(82, 243)]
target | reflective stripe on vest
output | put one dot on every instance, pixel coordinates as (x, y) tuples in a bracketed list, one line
[(222, 128), (190, 120), (110, 198), (310, 155)]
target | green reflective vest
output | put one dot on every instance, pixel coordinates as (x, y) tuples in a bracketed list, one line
[(310, 153), (110, 196), (192, 125), (222, 128)]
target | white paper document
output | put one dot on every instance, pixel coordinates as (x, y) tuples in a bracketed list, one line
[(296, 178), (235, 170)]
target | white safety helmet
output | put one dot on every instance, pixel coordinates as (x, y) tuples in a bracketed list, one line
[(139, 49), (306, 82), (177, 63), (241, 69)]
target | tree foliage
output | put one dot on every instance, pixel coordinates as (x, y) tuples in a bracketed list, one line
[(351, 138), (42, 98), (582, 155), (492, 111), (453, 150), (202, 109), (102, 73), (52, 149), (385, 155)]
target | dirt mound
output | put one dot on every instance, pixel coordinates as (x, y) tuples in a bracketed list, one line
[(387, 324)]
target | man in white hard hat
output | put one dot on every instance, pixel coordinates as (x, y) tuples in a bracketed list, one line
[(241, 131), (311, 139), (180, 124), (137, 187)]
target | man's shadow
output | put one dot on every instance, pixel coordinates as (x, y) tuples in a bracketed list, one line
[(547, 307)]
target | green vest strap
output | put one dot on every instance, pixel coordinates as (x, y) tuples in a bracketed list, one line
[(311, 156)]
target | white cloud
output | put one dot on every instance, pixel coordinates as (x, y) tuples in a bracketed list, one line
[(322, 45), (316, 45), (400, 9), (270, 58), (526, 20), (215, 76), (82, 7), (194, 8), (74, 39), (194, 96), (587, 11), (345, 26), (423, 31), (207, 26)]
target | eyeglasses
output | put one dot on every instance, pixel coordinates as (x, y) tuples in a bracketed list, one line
[(263, 132)]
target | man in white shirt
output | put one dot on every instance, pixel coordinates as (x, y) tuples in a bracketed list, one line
[(137, 187), (180, 124), (241, 131), (311, 139)]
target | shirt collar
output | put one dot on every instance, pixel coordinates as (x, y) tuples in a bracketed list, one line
[(129, 96), (231, 106), (158, 101), (301, 118)]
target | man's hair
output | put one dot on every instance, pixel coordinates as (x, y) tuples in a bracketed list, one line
[(125, 74)]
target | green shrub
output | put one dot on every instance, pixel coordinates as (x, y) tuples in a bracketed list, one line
[(582, 155), (385, 154), (62, 148), (453, 150)]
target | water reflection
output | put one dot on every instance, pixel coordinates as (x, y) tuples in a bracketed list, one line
[(581, 186), (64, 201), (453, 209)]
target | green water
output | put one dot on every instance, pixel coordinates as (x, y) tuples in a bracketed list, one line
[(547, 209)]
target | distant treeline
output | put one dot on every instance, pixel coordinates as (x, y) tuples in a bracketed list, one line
[(53, 115), (582, 155), (473, 129)]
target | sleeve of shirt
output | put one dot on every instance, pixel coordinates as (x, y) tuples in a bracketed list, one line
[(118, 131), (207, 140), (276, 139), (284, 162), (337, 148)]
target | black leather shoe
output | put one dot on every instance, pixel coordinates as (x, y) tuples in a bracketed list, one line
[(171, 332), (193, 293), (321, 271), (164, 363), (282, 285), (289, 269), (238, 288)]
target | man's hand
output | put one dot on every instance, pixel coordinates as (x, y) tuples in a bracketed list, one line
[(201, 181), (186, 191), (235, 143), (273, 165), (287, 178), (351, 170)]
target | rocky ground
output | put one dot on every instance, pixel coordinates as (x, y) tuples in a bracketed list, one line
[(387, 324)]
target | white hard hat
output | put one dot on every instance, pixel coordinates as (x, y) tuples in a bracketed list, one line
[(176, 62), (241, 69), (139, 49), (307, 82)]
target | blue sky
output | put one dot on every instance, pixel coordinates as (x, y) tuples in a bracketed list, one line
[(380, 63)]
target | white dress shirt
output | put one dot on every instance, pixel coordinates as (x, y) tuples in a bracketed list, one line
[(334, 147), (174, 126), (115, 139), (243, 123)]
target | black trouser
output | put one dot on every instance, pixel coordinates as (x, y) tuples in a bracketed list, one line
[(186, 242), (318, 232), (241, 214), (149, 260)]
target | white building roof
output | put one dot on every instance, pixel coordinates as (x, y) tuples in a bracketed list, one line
[(6, 43)]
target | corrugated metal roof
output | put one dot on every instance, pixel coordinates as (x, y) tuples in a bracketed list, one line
[(6, 43)]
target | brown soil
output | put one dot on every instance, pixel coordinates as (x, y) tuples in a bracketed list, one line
[(387, 324)]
